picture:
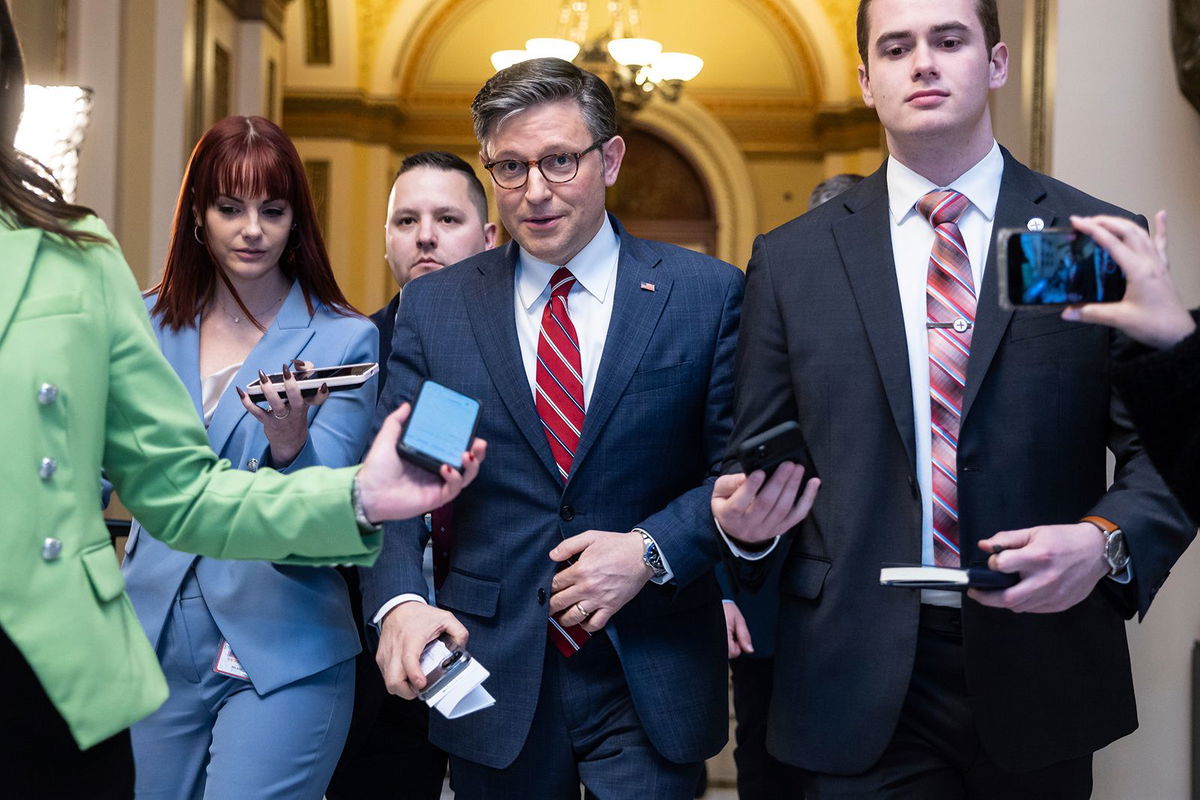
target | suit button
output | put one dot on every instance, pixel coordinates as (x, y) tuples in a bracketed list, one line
[(566, 513), (51, 548), (541, 597), (252, 464), (47, 469), (47, 394)]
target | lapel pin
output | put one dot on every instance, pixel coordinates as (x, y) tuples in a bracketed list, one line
[(647, 286), (1035, 224)]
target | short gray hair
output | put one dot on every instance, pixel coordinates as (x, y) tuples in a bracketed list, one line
[(544, 80)]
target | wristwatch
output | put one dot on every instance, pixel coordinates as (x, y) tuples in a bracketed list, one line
[(650, 556), (1116, 553)]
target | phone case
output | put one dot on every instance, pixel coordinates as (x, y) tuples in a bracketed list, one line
[(769, 449)]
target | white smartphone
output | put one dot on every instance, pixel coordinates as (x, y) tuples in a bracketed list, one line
[(339, 379)]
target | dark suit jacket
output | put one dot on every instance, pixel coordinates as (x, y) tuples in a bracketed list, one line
[(1161, 390), (823, 342), (385, 321), (653, 439)]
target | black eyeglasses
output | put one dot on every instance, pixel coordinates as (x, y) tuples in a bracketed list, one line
[(555, 168)]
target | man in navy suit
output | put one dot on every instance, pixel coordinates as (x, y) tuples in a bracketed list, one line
[(946, 429), (581, 565)]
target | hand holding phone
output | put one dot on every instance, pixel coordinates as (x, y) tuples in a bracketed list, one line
[(769, 449), (1054, 268), (440, 428), (338, 379)]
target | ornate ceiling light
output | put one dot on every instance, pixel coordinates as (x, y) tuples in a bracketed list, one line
[(635, 68)]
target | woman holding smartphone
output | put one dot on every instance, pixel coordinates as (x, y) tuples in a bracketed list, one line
[(259, 658)]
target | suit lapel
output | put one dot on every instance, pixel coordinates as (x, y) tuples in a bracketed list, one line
[(489, 299), (864, 241), (20, 248), (634, 316), (182, 349), (283, 341), (1020, 194)]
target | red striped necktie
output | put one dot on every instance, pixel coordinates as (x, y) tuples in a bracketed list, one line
[(950, 320), (559, 383)]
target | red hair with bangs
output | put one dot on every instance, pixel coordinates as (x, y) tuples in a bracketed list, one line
[(242, 157)]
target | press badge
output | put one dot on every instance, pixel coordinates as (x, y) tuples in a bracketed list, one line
[(228, 664)]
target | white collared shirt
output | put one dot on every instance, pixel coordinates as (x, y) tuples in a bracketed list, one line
[(589, 303), (912, 242)]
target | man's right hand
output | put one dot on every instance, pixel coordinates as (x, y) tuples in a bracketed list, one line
[(406, 631), (753, 510)]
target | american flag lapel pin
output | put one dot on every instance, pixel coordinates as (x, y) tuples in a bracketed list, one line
[(647, 286)]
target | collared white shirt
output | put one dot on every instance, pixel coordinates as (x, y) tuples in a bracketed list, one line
[(912, 242), (589, 303)]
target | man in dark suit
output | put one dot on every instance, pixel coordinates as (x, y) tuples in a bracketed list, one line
[(436, 216), (946, 430), (582, 568)]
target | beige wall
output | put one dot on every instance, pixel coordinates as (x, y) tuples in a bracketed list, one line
[(1122, 131)]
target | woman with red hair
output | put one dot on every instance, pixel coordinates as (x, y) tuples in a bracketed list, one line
[(259, 657)]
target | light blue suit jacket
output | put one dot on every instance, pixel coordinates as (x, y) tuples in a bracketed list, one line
[(283, 623)]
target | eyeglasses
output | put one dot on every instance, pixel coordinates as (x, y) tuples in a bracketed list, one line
[(555, 168)]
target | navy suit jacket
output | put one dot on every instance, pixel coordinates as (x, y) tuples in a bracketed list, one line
[(823, 343), (284, 623), (652, 442)]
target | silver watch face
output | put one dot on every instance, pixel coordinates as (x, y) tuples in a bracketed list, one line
[(1115, 551)]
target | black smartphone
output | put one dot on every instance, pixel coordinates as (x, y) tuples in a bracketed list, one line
[(338, 379), (440, 428), (1055, 267), (772, 447)]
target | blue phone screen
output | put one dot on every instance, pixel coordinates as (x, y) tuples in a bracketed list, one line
[(441, 423)]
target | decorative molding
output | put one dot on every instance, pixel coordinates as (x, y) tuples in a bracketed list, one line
[(269, 11), (767, 125), (1041, 103), (317, 172), (317, 46)]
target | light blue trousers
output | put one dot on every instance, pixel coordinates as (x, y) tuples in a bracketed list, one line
[(216, 738)]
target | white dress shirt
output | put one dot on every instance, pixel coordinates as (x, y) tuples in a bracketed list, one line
[(589, 304)]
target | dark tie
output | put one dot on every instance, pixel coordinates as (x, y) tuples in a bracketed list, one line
[(950, 320), (559, 382)]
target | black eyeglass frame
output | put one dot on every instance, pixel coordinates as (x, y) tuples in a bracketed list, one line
[(538, 163)]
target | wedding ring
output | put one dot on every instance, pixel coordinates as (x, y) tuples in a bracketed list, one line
[(586, 614)]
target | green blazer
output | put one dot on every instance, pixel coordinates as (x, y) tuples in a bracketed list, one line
[(86, 387)]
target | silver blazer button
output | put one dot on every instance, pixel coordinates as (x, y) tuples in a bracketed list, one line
[(47, 469), (252, 465), (47, 394), (51, 548)]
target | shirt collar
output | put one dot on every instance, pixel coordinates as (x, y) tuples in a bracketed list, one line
[(981, 185), (593, 268)]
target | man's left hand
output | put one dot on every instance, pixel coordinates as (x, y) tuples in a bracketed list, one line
[(1059, 565), (608, 572)]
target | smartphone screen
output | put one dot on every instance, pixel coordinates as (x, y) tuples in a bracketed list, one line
[(1056, 267), (441, 425)]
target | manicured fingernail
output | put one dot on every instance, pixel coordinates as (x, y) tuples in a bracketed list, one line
[(287, 373), (262, 376), (325, 388), (240, 392)]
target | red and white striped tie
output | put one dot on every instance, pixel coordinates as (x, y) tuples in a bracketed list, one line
[(559, 379), (950, 319)]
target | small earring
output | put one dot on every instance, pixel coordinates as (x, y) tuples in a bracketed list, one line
[(196, 233)]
